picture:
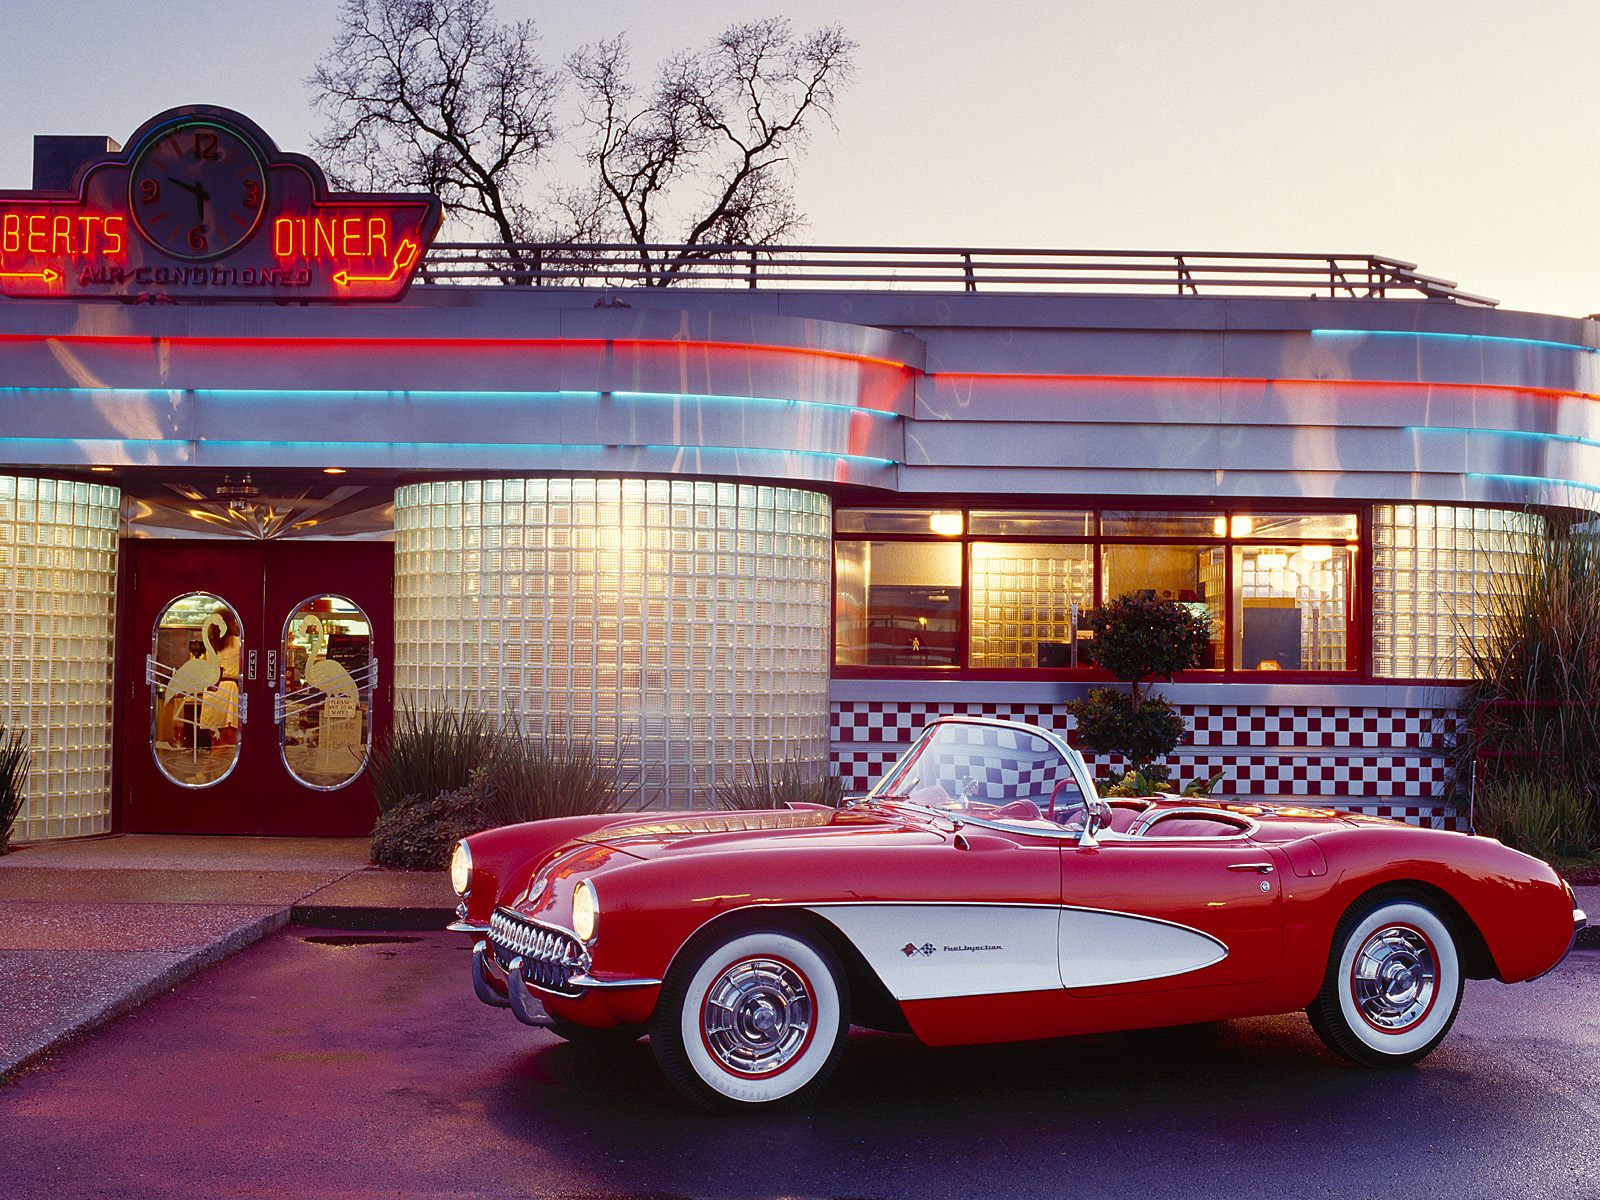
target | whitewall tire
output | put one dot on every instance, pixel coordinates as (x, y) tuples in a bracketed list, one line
[(757, 1019), (1393, 984)]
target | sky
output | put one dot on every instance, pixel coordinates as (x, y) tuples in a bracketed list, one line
[(1456, 134)]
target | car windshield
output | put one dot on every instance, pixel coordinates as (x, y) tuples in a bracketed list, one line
[(996, 772)]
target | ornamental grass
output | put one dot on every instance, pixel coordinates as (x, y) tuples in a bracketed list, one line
[(15, 760), (1528, 741), (532, 774), (429, 751), (778, 784)]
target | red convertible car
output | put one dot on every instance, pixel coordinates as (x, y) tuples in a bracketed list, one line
[(983, 892)]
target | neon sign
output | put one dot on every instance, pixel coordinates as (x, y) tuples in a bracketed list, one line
[(203, 206)]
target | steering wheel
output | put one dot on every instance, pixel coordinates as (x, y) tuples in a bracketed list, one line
[(1056, 791)]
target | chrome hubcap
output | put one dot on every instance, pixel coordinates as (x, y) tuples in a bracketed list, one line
[(1395, 978), (757, 1016)]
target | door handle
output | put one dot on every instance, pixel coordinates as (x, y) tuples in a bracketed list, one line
[(1258, 867)]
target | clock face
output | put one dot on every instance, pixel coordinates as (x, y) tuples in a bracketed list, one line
[(197, 190)]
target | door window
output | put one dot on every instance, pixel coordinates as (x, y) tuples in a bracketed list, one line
[(193, 672), (324, 708)]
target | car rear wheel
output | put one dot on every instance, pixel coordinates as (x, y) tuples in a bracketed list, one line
[(756, 1019), (1393, 984)]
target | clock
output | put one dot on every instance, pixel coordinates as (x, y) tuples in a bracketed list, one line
[(197, 189)]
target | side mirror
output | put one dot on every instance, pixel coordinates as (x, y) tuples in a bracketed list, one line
[(1096, 816)]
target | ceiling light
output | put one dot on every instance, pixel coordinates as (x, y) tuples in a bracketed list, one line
[(102, 470), (333, 470), (1316, 553), (946, 524)]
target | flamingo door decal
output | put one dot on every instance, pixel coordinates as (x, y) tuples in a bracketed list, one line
[(199, 674), (218, 704), (322, 672), (323, 680)]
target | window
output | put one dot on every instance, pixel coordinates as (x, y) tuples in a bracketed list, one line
[(1191, 575), (897, 603), (1277, 588), (1027, 602), (1291, 607)]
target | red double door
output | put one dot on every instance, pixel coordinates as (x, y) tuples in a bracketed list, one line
[(255, 676)]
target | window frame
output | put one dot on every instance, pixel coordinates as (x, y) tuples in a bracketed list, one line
[(1358, 622)]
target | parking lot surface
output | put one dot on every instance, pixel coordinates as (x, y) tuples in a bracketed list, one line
[(329, 1064)]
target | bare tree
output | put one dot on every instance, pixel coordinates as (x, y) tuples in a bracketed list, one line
[(436, 95), (725, 123)]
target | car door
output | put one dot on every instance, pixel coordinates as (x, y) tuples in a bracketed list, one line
[(1190, 902)]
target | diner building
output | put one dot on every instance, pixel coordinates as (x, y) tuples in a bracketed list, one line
[(792, 506)]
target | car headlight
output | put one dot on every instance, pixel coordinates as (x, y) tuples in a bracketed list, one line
[(460, 868), (585, 911)]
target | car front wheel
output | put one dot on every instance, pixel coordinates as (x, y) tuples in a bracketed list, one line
[(755, 1019), (1393, 984)]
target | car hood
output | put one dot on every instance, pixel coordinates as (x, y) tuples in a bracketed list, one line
[(733, 831)]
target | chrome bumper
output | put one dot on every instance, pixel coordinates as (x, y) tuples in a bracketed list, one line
[(517, 998)]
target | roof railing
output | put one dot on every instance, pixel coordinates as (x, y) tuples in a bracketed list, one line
[(935, 268)]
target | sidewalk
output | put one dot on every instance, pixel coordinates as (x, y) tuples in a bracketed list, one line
[(89, 930)]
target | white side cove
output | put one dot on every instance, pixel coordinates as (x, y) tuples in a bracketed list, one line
[(926, 951), (1101, 948), (932, 951)]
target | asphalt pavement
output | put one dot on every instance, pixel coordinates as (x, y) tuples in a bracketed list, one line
[(323, 1063)]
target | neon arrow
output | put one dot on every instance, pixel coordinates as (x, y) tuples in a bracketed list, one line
[(403, 258), (49, 274)]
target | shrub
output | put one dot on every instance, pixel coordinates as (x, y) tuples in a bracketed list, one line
[(1548, 818), (418, 835), (529, 776), (1138, 639), (1154, 781), (1110, 723), (779, 784), (428, 752), (1532, 711), (15, 760)]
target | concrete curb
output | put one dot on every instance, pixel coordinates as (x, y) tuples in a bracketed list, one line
[(175, 973)]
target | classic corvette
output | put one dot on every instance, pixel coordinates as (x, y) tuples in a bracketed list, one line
[(983, 892)]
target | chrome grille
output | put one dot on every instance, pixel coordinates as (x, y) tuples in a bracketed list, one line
[(550, 956)]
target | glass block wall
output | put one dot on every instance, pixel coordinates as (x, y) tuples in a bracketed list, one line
[(58, 588), (685, 622), (1433, 568), (1022, 595)]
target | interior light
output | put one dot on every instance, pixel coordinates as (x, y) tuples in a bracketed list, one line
[(1316, 553), (102, 470), (1219, 526), (1243, 526), (946, 524), (1272, 560), (333, 470)]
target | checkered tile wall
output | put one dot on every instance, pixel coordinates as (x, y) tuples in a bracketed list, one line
[(1387, 762)]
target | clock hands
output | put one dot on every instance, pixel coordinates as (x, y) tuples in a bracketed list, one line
[(201, 197)]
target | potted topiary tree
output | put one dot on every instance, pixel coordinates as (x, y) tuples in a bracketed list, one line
[(1139, 639)]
